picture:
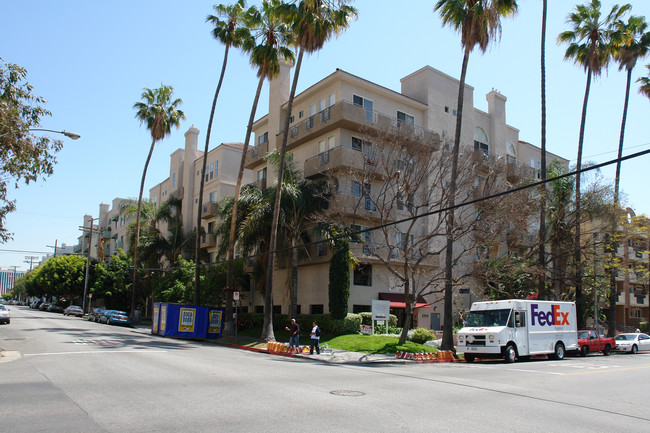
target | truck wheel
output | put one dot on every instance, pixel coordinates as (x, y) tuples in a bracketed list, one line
[(559, 352), (584, 350), (510, 354), (607, 350), (469, 358)]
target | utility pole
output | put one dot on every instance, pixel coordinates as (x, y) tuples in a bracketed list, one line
[(55, 246), (30, 260), (90, 230)]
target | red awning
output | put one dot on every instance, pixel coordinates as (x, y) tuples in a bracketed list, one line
[(397, 300)]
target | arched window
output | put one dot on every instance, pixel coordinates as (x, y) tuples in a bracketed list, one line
[(481, 141), (511, 152)]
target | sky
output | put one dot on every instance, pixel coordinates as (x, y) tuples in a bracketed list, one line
[(90, 61)]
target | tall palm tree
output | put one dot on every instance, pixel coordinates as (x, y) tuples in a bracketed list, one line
[(313, 23), (644, 88), (159, 112), (275, 38), (631, 42), (230, 32), (541, 260), (479, 23), (589, 47)]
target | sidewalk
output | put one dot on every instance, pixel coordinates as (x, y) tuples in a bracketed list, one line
[(330, 356)]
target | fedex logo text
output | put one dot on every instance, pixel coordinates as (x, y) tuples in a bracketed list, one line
[(549, 318)]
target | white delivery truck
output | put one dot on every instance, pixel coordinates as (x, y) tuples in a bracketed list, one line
[(517, 328)]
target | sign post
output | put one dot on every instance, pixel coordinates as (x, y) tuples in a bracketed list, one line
[(380, 312), (235, 298)]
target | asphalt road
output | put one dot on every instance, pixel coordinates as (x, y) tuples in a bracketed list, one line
[(61, 374)]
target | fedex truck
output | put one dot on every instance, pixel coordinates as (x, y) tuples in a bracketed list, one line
[(514, 328)]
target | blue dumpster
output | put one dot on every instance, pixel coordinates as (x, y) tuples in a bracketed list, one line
[(184, 321), (215, 322)]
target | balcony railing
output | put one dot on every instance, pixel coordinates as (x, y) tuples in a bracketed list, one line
[(209, 210), (256, 154), (208, 240), (339, 156)]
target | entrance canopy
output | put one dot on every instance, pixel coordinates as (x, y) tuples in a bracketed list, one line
[(397, 300)]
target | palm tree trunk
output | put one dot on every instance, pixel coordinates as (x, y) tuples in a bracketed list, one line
[(613, 294), (541, 261), (447, 335), (197, 270), (137, 231), (230, 278), (294, 278), (577, 246), (267, 331)]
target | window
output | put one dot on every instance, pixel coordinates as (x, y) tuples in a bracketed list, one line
[(261, 174), (357, 144), (400, 201), (301, 114), (356, 189), (321, 105), (356, 309), (213, 197), (316, 309), (367, 104), (446, 109), (363, 275), (331, 99), (636, 313), (263, 138), (481, 141), (259, 309), (405, 118), (277, 309), (211, 171), (211, 227), (174, 179)]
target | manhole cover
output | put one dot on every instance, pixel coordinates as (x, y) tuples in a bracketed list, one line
[(347, 393)]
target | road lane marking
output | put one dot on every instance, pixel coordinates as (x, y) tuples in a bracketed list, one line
[(92, 352), (605, 371)]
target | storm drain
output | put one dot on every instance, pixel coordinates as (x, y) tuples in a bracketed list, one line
[(347, 393)]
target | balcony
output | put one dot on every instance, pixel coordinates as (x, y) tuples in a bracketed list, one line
[(106, 233), (516, 172), (255, 155), (259, 184), (307, 255), (638, 300), (337, 157), (345, 114), (209, 210), (208, 240), (483, 162), (178, 194)]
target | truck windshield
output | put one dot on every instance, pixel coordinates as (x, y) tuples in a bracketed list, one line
[(488, 318)]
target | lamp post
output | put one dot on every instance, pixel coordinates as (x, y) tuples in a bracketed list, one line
[(72, 135)]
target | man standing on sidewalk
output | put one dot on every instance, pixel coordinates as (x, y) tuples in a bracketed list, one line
[(294, 334), (315, 338)]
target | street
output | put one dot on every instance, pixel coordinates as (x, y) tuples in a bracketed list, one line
[(65, 374)]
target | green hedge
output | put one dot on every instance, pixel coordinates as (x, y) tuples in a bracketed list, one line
[(366, 319), (331, 327)]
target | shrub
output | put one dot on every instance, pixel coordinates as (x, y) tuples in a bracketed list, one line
[(643, 327), (421, 335), (366, 319)]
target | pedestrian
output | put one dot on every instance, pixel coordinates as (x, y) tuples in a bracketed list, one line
[(315, 338), (294, 334)]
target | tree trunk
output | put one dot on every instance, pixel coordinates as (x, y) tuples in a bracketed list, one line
[(267, 331), (541, 260), (137, 230), (409, 313), (294, 279), (613, 292), (447, 335), (228, 326), (197, 269), (577, 246)]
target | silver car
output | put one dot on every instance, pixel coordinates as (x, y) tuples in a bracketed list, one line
[(5, 317), (632, 342)]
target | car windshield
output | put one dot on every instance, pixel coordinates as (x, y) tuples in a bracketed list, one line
[(2, 307), (622, 337), (488, 318)]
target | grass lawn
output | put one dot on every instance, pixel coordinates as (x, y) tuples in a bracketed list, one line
[(351, 342)]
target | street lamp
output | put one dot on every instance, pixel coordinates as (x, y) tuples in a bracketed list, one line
[(72, 135)]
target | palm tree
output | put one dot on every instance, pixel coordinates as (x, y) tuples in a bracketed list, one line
[(541, 260), (589, 46), (275, 38), (300, 202), (229, 32), (313, 23), (631, 43), (479, 23), (644, 88), (159, 112)]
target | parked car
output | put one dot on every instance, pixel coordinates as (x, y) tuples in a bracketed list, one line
[(44, 306), (632, 342), (5, 316), (94, 315), (115, 317), (73, 310), (53, 308), (36, 304), (590, 341)]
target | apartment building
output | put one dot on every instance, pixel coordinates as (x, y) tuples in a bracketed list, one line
[(184, 183), (328, 128)]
